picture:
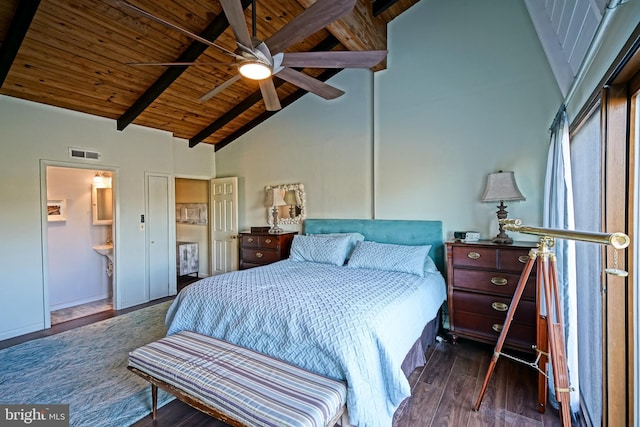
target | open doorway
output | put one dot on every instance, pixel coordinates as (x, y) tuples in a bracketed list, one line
[(192, 230), (80, 241)]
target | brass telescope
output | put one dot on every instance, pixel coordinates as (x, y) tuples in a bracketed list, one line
[(617, 240)]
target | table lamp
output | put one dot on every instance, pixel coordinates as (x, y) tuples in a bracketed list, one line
[(501, 186)]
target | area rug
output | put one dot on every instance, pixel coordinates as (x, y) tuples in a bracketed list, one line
[(87, 369)]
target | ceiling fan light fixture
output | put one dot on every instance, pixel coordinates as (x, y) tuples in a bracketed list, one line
[(255, 70)]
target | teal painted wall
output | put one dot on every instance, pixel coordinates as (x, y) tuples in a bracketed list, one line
[(467, 91)]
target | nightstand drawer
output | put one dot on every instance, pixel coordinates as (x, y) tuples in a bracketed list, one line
[(521, 335), (469, 256), (261, 248), (258, 256), (494, 282), (269, 242), (250, 241), (493, 306), (257, 241)]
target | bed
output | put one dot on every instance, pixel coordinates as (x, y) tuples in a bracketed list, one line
[(365, 318)]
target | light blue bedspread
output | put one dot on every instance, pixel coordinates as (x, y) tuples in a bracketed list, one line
[(345, 323)]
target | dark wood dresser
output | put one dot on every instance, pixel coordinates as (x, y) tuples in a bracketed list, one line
[(262, 248), (482, 277)]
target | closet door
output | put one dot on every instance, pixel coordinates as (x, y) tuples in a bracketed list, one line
[(159, 255)]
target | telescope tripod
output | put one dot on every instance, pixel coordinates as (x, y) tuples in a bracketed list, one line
[(549, 331)]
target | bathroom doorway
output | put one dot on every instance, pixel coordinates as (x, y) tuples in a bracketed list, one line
[(80, 241)]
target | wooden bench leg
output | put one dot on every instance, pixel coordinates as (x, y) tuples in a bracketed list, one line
[(154, 400)]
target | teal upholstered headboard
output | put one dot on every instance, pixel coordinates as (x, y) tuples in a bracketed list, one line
[(400, 232)]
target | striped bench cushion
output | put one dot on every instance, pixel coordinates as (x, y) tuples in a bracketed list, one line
[(250, 387)]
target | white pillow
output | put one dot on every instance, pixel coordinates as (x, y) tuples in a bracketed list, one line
[(327, 250), (385, 256), (355, 238), (430, 265)]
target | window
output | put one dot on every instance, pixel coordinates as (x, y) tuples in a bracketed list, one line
[(586, 161)]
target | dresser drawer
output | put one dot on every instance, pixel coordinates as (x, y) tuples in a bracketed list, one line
[(494, 282), (514, 260), (478, 257), (493, 306), (520, 335), (258, 256)]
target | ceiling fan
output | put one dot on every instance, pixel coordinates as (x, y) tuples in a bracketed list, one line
[(260, 60)]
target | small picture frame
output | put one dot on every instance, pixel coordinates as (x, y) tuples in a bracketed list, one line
[(56, 210)]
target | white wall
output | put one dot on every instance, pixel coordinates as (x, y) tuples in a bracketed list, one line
[(77, 273), (31, 132), (468, 91), (326, 145)]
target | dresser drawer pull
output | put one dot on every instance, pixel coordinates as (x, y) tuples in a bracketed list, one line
[(523, 259), (473, 255), (259, 254), (499, 281), (250, 240), (267, 241), (500, 306), (497, 327)]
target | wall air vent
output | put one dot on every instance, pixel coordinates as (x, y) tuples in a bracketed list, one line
[(79, 153)]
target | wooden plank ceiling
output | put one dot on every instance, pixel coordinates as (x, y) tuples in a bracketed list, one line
[(76, 54)]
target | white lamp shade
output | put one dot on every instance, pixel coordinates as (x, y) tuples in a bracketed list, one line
[(501, 186), (275, 197), (291, 198)]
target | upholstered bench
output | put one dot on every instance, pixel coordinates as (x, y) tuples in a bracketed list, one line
[(238, 386)]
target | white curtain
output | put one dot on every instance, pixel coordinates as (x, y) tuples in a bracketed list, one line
[(558, 213)]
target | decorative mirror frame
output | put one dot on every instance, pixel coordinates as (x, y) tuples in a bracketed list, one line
[(299, 190)]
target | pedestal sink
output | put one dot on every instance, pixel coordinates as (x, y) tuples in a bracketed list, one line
[(106, 250)]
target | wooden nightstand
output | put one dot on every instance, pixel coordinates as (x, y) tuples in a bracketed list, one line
[(482, 278), (258, 249)]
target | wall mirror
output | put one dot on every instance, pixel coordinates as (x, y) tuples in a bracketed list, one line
[(102, 205), (294, 211)]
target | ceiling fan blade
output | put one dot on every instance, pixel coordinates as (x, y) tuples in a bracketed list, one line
[(317, 16), (182, 64), (235, 15), (334, 59), (308, 83), (269, 94), (216, 90), (175, 27)]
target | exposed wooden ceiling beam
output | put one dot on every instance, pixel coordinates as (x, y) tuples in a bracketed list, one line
[(191, 53), (17, 31), (326, 75), (327, 44), (359, 30), (379, 6)]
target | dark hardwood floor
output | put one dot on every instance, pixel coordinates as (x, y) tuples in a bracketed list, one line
[(443, 392)]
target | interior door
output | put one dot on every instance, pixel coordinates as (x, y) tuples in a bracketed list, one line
[(159, 260), (224, 225)]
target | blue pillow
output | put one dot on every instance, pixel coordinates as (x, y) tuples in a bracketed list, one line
[(386, 256), (355, 238), (327, 250)]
